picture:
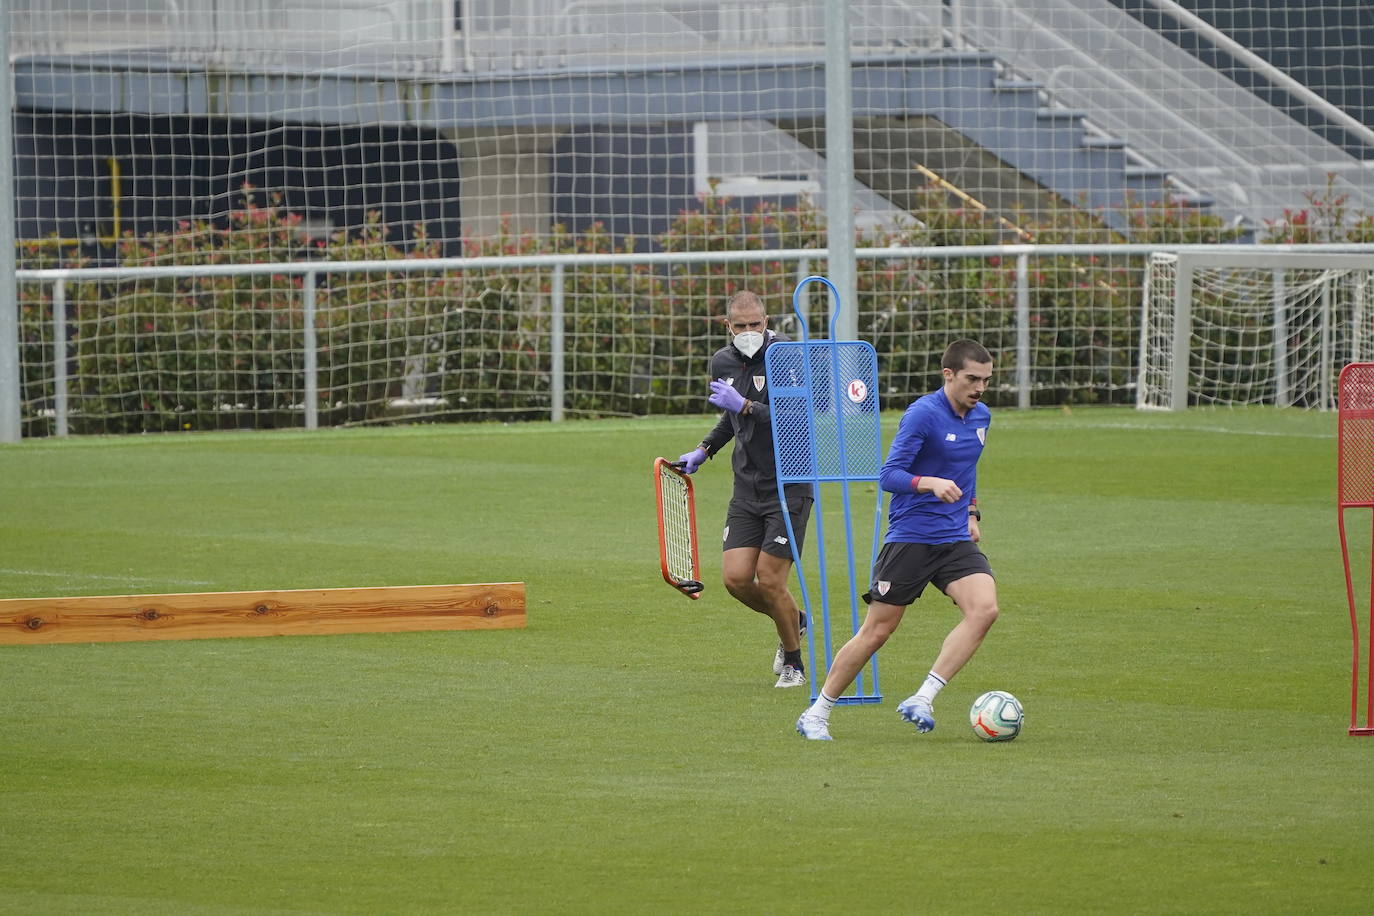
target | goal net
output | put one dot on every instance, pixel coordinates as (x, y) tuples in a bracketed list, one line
[(1235, 327)]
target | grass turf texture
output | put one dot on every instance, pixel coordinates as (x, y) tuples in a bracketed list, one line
[(1174, 621)]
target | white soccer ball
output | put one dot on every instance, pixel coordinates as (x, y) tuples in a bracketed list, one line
[(996, 716)]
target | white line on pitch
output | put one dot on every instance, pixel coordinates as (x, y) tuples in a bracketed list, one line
[(1219, 430), (89, 577)]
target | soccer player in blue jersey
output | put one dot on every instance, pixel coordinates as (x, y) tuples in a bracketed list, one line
[(932, 537), (757, 559)]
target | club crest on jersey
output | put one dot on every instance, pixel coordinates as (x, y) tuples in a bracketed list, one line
[(883, 587), (982, 435), (758, 382)]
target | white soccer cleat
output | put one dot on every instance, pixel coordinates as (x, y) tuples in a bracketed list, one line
[(918, 712), (813, 728), (791, 677)]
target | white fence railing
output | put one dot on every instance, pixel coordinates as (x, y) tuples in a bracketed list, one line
[(1063, 319)]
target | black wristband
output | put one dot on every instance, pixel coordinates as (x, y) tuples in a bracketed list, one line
[(974, 513)]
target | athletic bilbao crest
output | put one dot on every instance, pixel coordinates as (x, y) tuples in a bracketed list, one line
[(982, 435), (883, 587), (758, 382)]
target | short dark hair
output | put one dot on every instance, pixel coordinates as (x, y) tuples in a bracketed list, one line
[(744, 298), (964, 351)]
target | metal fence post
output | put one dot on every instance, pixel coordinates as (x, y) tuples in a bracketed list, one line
[(10, 396), (310, 344), (556, 381), (59, 356), (1023, 348), (839, 170)]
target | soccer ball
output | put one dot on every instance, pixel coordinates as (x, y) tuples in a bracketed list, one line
[(996, 716)]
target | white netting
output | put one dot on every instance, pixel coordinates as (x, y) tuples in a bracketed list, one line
[(215, 132), (444, 123), (1229, 129), (1255, 333), (1356, 435), (1157, 332)]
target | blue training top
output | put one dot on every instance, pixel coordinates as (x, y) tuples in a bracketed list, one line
[(933, 441)]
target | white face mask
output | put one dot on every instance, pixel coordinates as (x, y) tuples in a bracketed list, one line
[(748, 342)]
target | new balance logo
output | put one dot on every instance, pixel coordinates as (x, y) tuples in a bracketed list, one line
[(779, 540), (950, 437)]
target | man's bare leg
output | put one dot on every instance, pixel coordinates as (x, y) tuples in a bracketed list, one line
[(758, 580), (879, 623), (976, 598)]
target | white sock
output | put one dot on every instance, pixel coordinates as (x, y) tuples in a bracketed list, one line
[(821, 708), (931, 687)]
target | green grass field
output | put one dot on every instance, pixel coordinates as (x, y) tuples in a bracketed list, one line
[(1173, 619)]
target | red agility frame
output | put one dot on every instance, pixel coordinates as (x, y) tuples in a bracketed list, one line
[(1355, 490), (677, 528)]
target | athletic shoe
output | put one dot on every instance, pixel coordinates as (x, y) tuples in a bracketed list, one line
[(813, 728), (918, 712), (791, 677), (778, 659)]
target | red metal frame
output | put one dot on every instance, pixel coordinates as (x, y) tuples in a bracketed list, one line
[(689, 587), (1352, 408)]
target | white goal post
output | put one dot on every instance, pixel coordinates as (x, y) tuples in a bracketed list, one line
[(1230, 327)]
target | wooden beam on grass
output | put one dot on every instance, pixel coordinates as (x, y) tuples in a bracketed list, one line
[(295, 612)]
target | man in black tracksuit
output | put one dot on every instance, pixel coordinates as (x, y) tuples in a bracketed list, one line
[(757, 557)]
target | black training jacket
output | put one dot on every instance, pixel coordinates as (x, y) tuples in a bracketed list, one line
[(755, 473)]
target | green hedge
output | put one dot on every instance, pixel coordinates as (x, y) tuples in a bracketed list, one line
[(217, 352)]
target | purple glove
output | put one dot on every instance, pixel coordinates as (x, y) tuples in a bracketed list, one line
[(692, 460), (724, 395)]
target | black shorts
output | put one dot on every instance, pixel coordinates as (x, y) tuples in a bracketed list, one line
[(759, 523), (902, 571)]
